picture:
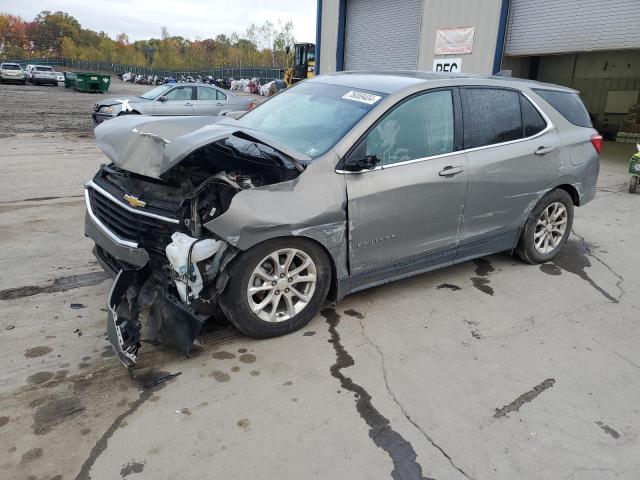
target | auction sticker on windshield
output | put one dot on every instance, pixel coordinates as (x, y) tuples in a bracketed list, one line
[(363, 97)]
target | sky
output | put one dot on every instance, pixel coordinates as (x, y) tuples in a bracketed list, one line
[(142, 19)]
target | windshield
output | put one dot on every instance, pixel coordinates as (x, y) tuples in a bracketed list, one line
[(156, 92), (311, 117), (44, 69), (10, 66)]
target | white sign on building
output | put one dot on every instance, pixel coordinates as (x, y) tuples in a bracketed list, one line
[(454, 41), (453, 65)]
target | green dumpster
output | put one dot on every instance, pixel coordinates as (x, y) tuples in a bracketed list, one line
[(87, 82)]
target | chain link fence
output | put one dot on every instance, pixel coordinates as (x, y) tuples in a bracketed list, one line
[(264, 74)]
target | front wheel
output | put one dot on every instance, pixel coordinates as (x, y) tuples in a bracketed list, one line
[(633, 184), (276, 287), (547, 228)]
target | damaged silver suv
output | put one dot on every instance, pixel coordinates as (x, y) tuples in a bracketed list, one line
[(338, 184)]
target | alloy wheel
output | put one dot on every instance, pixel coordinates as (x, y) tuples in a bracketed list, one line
[(550, 228), (281, 285)]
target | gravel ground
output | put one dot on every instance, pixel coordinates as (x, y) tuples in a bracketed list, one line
[(45, 108), (37, 109)]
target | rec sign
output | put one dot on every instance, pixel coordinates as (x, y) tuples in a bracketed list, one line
[(453, 65)]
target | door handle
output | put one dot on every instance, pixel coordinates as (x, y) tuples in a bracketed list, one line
[(543, 150), (219, 104), (450, 171), (188, 104)]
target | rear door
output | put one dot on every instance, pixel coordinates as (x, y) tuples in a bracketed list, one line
[(210, 101), (179, 101), (513, 153), (405, 215)]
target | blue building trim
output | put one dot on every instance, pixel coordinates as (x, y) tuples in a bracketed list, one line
[(502, 31), (342, 20), (316, 69)]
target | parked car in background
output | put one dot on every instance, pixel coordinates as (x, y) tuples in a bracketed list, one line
[(337, 184), (60, 77), (173, 99), (28, 69), (43, 75), (12, 72)]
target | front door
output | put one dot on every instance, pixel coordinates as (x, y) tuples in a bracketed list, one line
[(513, 154), (178, 101), (405, 215)]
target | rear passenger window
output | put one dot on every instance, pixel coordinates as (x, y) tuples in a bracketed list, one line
[(569, 105), (491, 115), (206, 93), (419, 127), (532, 121)]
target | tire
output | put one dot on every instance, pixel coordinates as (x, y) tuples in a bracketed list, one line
[(291, 312), (532, 247), (633, 184)]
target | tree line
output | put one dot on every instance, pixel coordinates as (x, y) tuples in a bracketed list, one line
[(58, 34)]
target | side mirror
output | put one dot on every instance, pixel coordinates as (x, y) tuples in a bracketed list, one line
[(355, 164), (162, 99)]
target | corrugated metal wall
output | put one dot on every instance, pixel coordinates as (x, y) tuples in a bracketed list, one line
[(382, 34), (538, 27)]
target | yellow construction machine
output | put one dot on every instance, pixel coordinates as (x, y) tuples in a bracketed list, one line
[(304, 62)]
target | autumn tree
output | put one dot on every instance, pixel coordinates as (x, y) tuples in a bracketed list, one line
[(53, 34)]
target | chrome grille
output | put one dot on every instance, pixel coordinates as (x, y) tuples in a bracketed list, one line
[(149, 233)]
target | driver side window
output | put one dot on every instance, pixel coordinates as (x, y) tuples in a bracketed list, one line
[(420, 127)]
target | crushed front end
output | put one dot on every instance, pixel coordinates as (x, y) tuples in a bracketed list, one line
[(150, 235), (131, 244)]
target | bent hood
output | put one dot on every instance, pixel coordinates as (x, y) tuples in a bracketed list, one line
[(109, 102), (150, 146)]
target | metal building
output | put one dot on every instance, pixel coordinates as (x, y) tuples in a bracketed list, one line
[(590, 45)]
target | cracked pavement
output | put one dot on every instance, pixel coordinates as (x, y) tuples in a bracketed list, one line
[(428, 360)]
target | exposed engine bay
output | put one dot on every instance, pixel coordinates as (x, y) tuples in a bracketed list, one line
[(167, 294)]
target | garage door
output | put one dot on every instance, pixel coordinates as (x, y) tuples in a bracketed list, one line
[(382, 34), (560, 26)]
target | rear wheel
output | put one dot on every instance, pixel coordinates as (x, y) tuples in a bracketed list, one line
[(547, 228), (276, 287), (633, 184)]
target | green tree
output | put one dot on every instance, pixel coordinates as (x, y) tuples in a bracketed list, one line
[(50, 28)]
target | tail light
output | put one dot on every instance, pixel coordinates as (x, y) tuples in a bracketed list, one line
[(596, 141), (252, 105)]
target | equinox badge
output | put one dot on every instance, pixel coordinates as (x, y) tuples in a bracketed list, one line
[(134, 202)]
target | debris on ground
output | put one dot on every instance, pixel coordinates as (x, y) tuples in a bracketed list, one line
[(160, 380)]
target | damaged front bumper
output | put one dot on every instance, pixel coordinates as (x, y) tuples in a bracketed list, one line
[(139, 309), (142, 304)]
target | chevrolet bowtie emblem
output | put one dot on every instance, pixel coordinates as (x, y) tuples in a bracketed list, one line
[(134, 202)]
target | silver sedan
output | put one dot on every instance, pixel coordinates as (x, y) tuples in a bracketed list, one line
[(173, 99)]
